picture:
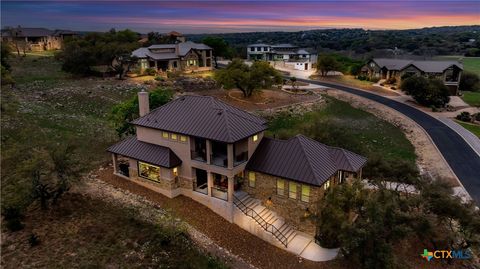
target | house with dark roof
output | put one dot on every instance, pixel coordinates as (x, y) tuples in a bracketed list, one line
[(35, 39), (286, 55), (182, 56), (392, 70), (218, 155)]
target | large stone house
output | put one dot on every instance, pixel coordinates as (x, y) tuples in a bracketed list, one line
[(448, 71), (182, 56), (216, 154), (288, 55), (35, 39)]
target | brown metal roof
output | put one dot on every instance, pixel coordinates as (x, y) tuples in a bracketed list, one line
[(146, 152), (203, 116), (302, 159)]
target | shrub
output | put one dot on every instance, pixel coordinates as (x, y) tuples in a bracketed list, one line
[(464, 116), (469, 82), (159, 78), (150, 71), (374, 79), (361, 77), (427, 92), (33, 240), (13, 218), (477, 117), (391, 80)]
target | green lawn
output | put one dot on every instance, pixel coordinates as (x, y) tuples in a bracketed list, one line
[(472, 98), (339, 124), (475, 129), (471, 64)]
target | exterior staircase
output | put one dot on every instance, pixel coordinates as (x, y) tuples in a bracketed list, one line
[(264, 217)]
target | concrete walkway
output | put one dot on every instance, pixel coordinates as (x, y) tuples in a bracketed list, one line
[(470, 138)]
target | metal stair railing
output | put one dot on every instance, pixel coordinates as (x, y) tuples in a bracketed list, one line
[(260, 221)]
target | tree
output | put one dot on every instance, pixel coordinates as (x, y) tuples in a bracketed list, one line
[(124, 113), (80, 54), (219, 46), (52, 172), (469, 82), (123, 64), (5, 67), (248, 78), (326, 63), (427, 92)]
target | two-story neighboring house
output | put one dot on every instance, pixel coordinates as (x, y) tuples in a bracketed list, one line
[(448, 71), (182, 56), (289, 55), (216, 154)]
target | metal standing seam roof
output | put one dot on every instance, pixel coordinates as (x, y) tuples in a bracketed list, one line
[(146, 152), (425, 66), (203, 116), (302, 159), (183, 49)]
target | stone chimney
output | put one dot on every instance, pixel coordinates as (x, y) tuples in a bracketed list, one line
[(143, 103)]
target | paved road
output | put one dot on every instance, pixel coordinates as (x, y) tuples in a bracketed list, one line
[(464, 162)]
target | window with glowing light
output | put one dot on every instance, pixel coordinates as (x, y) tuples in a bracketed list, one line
[(173, 136), (305, 193), (292, 190), (281, 187), (251, 179), (255, 138), (149, 171), (165, 135), (183, 138)]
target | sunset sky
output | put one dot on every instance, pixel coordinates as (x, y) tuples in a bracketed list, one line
[(238, 16)]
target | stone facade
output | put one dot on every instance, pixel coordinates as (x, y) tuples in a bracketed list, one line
[(292, 210)]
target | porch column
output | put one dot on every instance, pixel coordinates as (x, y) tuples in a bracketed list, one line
[(230, 189), (115, 167), (230, 155), (209, 183), (209, 151), (204, 57)]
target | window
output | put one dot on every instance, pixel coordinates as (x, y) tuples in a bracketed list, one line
[(252, 49), (165, 135), (326, 185), (258, 48), (292, 190), (255, 138), (305, 193), (251, 179), (174, 64), (281, 187), (173, 136), (192, 62), (183, 138), (175, 171), (149, 171), (265, 49)]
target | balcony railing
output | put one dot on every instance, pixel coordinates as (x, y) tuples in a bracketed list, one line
[(198, 156), (220, 192), (201, 189), (219, 160), (240, 158)]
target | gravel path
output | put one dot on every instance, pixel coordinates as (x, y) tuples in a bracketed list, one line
[(243, 248)]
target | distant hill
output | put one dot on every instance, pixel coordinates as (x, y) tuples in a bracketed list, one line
[(425, 42)]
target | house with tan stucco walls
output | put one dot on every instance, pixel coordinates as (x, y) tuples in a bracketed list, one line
[(218, 155)]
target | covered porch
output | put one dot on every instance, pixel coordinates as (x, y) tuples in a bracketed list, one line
[(216, 185)]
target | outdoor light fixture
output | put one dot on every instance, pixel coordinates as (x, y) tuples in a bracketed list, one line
[(269, 202), (307, 213)]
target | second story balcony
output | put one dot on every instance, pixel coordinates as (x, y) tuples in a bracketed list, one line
[(219, 153)]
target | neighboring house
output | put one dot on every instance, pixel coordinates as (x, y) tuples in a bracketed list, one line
[(184, 56), (289, 55), (216, 154), (35, 39), (448, 71)]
